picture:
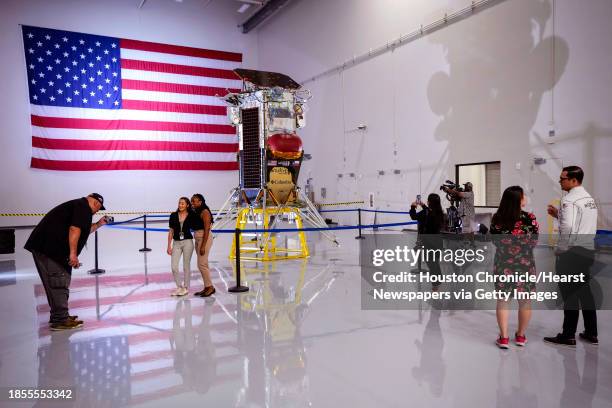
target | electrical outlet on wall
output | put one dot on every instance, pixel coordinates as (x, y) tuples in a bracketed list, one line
[(551, 133)]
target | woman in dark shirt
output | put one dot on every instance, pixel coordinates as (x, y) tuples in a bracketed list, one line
[(180, 244), (430, 220), (514, 256), (204, 241)]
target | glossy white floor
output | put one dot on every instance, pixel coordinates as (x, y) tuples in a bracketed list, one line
[(297, 338)]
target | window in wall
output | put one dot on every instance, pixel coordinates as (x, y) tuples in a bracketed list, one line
[(485, 177)]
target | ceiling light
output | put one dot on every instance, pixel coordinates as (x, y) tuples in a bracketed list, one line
[(244, 8)]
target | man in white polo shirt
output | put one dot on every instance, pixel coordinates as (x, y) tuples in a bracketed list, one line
[(575, 254)]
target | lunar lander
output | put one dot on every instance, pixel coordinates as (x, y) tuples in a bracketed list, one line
[(266, 114)]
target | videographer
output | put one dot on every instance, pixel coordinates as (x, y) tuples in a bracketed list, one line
[(55, 244), (430, 221), (466, 204)]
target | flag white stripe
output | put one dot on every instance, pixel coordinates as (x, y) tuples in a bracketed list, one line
[(148, 135), (142, 75), (144, 386), (151, 365), (127, 114), (149, 347), (178, 59), (140, 95), (140, 155)]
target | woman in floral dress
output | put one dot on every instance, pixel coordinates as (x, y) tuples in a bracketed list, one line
[(514, 256)]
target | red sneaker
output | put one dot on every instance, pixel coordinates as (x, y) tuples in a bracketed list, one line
[(502, 342), (520, 340)]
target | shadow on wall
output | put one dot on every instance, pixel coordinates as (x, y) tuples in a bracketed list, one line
[(499, 68)]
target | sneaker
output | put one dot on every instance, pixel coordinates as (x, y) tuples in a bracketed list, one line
[(75, 317), (561, 341), (67, 325), (589, 339), (520, 340), (502, 342), (208, 291)]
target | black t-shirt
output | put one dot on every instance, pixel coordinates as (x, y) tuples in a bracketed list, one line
[(191, 221), (50, 236), (199, 223)]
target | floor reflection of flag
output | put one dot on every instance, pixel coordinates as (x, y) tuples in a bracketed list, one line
[(127, 349)]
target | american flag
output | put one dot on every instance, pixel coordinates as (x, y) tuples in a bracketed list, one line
[(105, 103)]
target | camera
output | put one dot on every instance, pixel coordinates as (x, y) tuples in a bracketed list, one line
[(455, 223), (109, 219), (451, 185)]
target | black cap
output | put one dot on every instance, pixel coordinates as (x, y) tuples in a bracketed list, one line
[(99, 198)]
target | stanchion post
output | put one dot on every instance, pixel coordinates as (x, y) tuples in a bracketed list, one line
[(144, 248), (238, 288), (359, 224), (96, 270)]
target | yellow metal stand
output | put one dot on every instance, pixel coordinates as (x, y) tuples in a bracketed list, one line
[(249, 250)]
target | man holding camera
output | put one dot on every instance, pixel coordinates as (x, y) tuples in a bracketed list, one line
[(466, 204), (56, 243)]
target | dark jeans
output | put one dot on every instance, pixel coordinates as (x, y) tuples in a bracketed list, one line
[(577, 296), (56, 281), (433, 242)]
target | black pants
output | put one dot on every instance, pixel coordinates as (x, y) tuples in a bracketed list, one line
[(577, 296), (433, 242), (56, 281)]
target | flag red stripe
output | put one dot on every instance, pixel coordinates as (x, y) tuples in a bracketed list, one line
[(175, 88), (177, 69), (110, 280), (71, 144), (161, 355), (130, 165), (180, 50), (148, 336), (110, 300), (173, 107), (104, 124), (149, 318)]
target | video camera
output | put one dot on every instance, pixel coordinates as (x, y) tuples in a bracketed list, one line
[(453, 217), (451, 185)]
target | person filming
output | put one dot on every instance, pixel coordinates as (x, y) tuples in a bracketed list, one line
[(430, 221), (466, 204)]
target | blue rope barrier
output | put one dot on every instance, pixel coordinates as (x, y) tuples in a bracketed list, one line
[(126, 221), (138, 228), (346, 210), (260, 231), (386, 212), (322, 211)]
